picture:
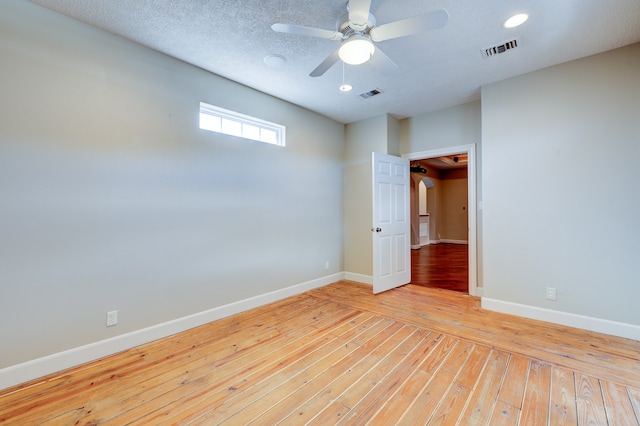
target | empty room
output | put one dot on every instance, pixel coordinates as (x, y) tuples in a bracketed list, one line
[(206, 212)]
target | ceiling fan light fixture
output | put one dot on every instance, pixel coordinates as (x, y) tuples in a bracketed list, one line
[(516, 20), (356, 50)]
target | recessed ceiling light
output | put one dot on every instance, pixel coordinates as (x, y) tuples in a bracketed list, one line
[(275, 61), (516, 20)]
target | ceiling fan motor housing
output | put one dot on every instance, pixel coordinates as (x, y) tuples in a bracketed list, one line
[(348, 28)]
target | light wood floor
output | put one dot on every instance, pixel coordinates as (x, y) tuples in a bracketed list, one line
[(339, 354)]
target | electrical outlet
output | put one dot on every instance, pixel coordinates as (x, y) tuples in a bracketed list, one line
[(326, 265), (112, 318), (551, 293)]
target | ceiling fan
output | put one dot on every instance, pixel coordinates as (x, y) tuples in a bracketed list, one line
[(357, 32)]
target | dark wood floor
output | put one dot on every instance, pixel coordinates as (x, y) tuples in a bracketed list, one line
[(443, 266)]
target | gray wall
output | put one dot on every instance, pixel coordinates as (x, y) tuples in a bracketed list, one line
[(561, 204), (455, 126), (459, 125), (112, 198), (377, 134)]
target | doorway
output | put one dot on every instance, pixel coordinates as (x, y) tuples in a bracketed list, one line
[(471, 249)]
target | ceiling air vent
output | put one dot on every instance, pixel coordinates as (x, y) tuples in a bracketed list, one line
[(370, 93), (501, 48)]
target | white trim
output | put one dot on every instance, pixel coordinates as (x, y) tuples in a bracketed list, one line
[(30, 370), (442, 241), (359, 278), (446, 241), (470, 150), (598, 325)]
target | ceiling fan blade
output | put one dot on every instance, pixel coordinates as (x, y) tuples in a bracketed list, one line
[(383, 63), (359, 12), (404, 27), (375, 4), (326, 64), (307, 31)]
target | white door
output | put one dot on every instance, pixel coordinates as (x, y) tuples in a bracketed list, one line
[(391, 222)]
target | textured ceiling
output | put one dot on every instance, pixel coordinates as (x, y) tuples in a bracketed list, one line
[(437, 69)]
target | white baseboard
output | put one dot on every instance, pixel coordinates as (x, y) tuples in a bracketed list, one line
[(30, 370), (359, 278), (453, 241), (628, 331), (417, 246)]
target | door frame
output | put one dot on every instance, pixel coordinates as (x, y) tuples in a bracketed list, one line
[(470, 150)]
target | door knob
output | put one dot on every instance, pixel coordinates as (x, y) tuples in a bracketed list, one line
[(377, 229)]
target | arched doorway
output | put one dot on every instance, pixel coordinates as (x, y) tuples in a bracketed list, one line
[(423, 211)]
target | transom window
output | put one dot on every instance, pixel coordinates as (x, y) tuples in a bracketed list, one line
[(233, 123)]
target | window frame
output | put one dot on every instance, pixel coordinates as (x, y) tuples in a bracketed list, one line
[(265, 128)]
